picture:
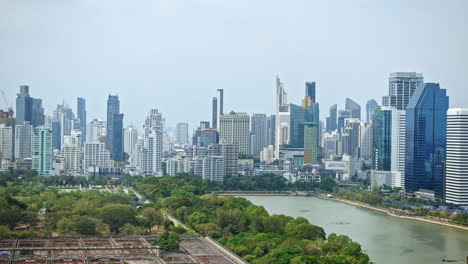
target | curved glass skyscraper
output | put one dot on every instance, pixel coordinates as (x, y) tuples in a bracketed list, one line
[(426, 132)]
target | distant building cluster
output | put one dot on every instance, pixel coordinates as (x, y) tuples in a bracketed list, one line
[(413, 141)]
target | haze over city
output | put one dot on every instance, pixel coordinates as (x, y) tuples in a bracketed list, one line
[(173, 55)]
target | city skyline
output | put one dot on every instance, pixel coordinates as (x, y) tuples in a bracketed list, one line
[(92, 71)]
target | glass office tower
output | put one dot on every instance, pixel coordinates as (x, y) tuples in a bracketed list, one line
[(426, 133)]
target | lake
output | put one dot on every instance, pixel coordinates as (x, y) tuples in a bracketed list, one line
[(386, 239)]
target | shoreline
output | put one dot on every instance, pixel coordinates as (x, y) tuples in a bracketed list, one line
[(390, 213), (262, 193)]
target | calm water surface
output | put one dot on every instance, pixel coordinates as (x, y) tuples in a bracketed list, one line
[(386, 239)]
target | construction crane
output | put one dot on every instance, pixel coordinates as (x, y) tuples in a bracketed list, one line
[(8, 105)]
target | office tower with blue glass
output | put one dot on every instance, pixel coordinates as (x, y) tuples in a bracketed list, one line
[(331, 124), (370, 108), (353, 108), (382, 140), (114, 141), (426, 135), (28, 109)]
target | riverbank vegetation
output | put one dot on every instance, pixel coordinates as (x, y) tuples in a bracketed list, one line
[(403, 206), (247, 229)]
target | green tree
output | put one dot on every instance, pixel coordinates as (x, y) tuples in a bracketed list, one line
[(10, 217), (168, 241), (152, 217), (85, 225), (117, 215), (327, 184)]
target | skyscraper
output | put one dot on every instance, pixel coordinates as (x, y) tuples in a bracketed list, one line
[(401, 86), (42, 151), (234, 128), (342, 115), (28, 108), (230, 154), (310, 91), (23, 141), (114, 128), (96, 131), (150, 162), (354, 108), (331, 124), (426, 134), (220, 106), (62, 124), (71, 152), (370, 108), (382, 140), (117, 137), (214, 112), (456, 170), (259, 133), (81, 111), (398, 145), (95, 155), (182, 137), (282, 116), (7, 143), (311, 143), (130, 139), (271, 120), (113, 107)]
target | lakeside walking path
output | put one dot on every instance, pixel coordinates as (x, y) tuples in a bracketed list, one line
[(389, 212)]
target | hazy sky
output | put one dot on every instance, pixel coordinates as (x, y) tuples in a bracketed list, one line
[(174, 54)]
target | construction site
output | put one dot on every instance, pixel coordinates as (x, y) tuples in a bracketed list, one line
[(117, 250)]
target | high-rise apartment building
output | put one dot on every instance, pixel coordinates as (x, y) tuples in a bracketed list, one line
[(456, 168), (96, 155), (7, 143), (234, 128), (426, 136), (182, 137), (230, 154), (71, 152), (401, 86), (96, 131), (130, 139), (213, 168), (81, 112), (150, 162), (23, 141), (42, 159), (398, 145)]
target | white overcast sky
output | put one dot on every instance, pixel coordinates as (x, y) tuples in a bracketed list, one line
[(174, 54)]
